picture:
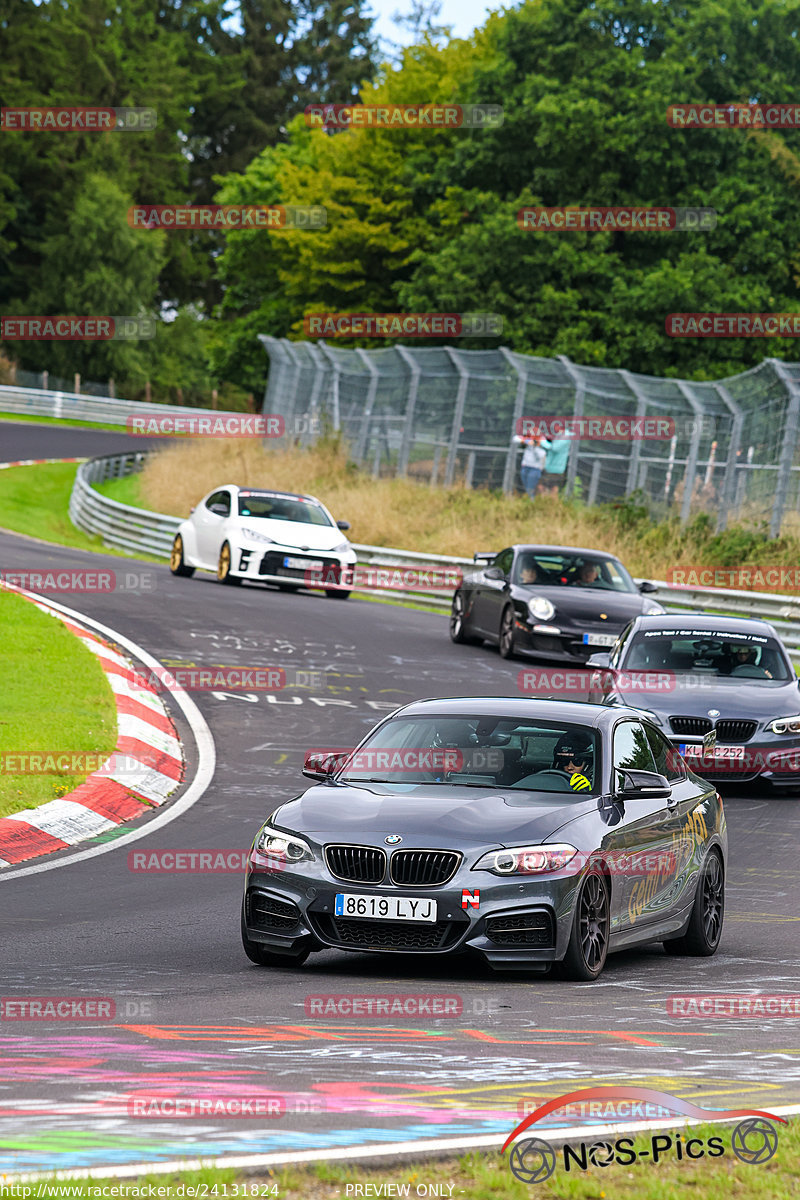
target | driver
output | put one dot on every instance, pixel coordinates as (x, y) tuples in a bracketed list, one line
[(587, 575), (574, 755), (528, 571)]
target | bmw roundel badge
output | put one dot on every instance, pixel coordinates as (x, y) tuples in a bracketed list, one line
[(393, 839)]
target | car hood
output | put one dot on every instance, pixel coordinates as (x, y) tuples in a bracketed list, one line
[(292, 534), (429, 816), (576, 604), (694, 695)]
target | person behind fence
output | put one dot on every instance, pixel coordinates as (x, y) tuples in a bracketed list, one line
[(555, 467), (533, 460)]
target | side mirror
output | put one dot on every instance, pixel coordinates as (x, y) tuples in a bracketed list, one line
[(342, 524), (484, 556), (493, 573), (322, 764), (646, 586), (643, 785), (602, 659)]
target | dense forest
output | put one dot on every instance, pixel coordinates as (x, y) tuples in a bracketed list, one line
[(418, 219)]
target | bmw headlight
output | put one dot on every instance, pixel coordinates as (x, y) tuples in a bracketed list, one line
[(654, 610), (785, 725), (541, 609), (526, 860), (255, 536), (341, 548), (287, 848)]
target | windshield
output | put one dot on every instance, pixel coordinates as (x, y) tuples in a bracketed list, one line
[(282, 508), (707, 652), (572, 570), (479, 751)]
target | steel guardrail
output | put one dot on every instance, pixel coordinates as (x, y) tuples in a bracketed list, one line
[(140, 531), (102, 410)]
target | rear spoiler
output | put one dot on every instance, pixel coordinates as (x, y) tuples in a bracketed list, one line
[(484, 555)]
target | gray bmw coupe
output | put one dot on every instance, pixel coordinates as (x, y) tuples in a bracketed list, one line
[(534, 832)]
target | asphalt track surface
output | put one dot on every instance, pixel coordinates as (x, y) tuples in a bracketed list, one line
[(196, 1018)]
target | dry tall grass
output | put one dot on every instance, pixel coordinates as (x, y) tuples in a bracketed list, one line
[(400, 512)]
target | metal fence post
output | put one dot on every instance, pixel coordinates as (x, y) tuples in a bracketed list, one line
[(510, 470), (694, 452), (319, 378), (790, 431), (458, 416), (408, 424), (636, 444), (577, 411), (337, 372), (363, 433), (729, 479)]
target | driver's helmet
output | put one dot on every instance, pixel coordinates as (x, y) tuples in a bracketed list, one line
[(577, 748), (741, 648)]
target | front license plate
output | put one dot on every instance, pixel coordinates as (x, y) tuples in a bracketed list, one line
[(719, 753), (385, 908), (599, 639), (304, 564)]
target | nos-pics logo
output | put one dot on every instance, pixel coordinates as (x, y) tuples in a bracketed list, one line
[(753, 1140)]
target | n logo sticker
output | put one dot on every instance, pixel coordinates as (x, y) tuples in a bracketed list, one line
[(471, 899)]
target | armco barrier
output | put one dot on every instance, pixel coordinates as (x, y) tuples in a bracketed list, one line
[(141, 531), (70, 406)]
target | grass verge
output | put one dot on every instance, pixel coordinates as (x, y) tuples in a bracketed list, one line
[(32, 419), (409, 515), (35, 501), (55, 699), (487, 1176)]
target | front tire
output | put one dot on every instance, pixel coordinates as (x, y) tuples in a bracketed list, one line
[(704, 930), (264, 957), (506, 640), (177, 563), (336, 593), (458, 621), (588, 942), (224, 567)]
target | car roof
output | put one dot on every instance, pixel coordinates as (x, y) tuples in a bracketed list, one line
[(536, 547), (577, 711), (251, 491), (710, 622)]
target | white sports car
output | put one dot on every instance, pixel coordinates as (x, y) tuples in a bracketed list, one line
[(269, 537)]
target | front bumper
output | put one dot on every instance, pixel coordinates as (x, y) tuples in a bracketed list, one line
[(267, 565), (515, 925), (775, 760), (567, 643)]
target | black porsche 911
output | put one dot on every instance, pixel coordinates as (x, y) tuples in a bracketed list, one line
[(532, 832), (554, 602), (722, 689)]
